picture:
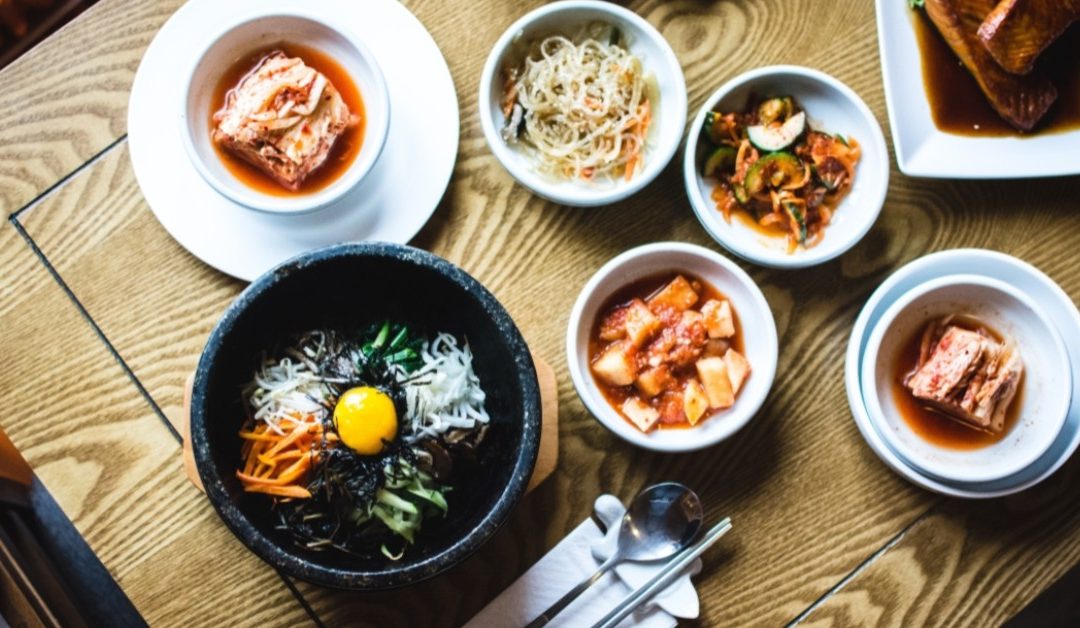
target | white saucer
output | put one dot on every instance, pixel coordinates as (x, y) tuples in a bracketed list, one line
[(1059, 308), (392, 204)]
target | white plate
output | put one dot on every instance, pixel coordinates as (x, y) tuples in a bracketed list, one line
[(924, 151), (392, 204), (1059, 308)]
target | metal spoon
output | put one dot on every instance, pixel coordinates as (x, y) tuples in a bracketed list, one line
[(661, 521)]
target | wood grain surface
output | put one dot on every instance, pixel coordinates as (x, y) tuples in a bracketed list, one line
[(66, 100), (108, 461), (810, 502), (973, 564)]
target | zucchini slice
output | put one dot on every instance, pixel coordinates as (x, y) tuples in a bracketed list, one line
[(774, 137), (713, 133), (722, 159), (739, 190), (772, 170), (775, 110), (797, 216)]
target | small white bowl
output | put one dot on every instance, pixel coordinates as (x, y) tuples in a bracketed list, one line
[(755, 317), (252, 32), (659, 63), (1046, 389), (831, 107)]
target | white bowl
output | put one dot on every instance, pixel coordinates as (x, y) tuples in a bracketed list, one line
[(251, 32), (831, 107), (659, 63), (755, 317), (1047, 383)]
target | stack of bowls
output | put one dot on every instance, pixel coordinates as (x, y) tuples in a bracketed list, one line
[(1012, 297)]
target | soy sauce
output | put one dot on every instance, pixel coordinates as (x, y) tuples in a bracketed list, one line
[(958, 106)]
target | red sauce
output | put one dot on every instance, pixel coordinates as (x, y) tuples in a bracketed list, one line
[(345, 148), (643, 289), (771, 231), (958, 105), (933, 426)]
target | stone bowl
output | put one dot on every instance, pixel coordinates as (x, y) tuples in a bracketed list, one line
[(349, 285)]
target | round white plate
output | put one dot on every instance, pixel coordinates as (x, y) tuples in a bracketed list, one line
[(1059, 308), (391, 204)]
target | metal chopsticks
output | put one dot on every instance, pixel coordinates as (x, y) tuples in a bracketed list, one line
[(666, 576)]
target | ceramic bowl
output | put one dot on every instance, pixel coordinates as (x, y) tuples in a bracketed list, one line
[(660, 64), (754, 315), (247, 34), (1046, 390), (831, 107), (440, 296)]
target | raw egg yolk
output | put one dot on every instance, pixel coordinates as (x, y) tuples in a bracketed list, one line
[(365, 417)]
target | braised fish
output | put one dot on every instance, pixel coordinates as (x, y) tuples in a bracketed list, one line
[(1017, 31), (1021, 100)]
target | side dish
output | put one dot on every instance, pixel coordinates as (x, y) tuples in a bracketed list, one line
[(1016, 32), (580, 104), (667, 352), (1006, 47), (357, 438), (773, 169), (960, 372), (292, 119)]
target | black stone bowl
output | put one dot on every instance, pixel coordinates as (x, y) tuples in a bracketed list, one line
[(345, 286)]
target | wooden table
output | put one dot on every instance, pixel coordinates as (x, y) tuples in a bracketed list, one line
[(103, 315)]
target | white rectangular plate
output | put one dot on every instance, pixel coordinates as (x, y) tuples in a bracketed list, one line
[(924, 151)]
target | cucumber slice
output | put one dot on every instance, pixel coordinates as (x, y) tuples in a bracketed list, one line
[(800, 220), (741, 197), (721, 160), (772, 170), (710, 129), (775, 109), (771, 138)]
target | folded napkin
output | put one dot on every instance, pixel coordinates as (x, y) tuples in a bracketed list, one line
[(577, 557)]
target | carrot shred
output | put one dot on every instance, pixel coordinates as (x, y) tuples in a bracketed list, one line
[(640, 129), (277, 462), (281, 491)]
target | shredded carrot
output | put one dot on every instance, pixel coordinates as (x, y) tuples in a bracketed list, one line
[(641, 129), (256, 436), (510, 93), (278, 463), (281, 491)]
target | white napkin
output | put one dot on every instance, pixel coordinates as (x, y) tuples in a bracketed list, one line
[(577, 557)]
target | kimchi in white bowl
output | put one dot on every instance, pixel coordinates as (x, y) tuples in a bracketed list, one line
[(966, 379), (284, 113)]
